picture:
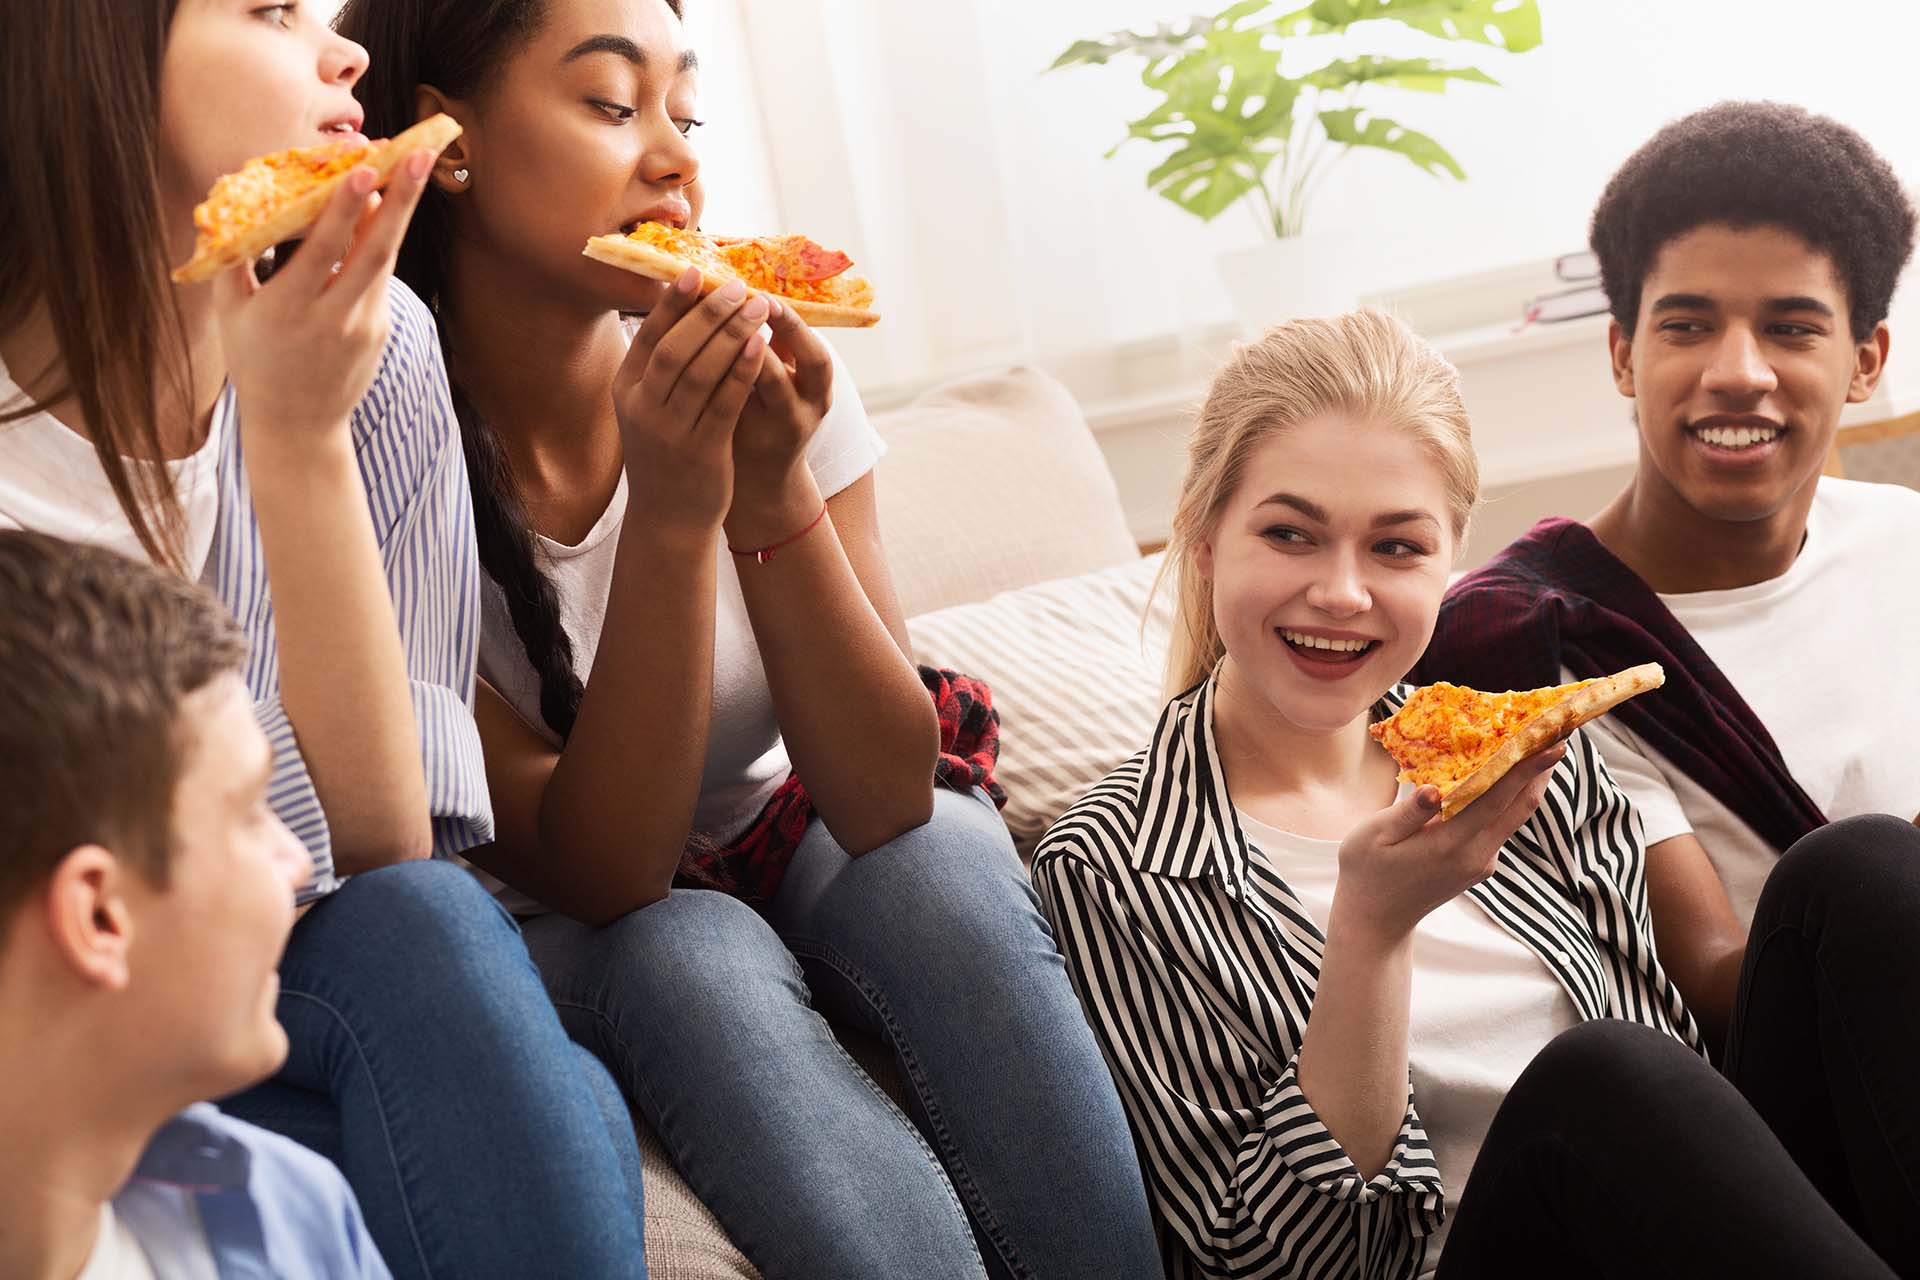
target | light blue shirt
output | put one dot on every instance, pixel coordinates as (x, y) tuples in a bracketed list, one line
[(214, 1197), (407, 441)]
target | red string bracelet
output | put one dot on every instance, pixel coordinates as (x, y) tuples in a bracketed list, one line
[(764, 554)]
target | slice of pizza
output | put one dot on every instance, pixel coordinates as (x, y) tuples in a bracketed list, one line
[(272, 199), (813, 280), (1463, 741)]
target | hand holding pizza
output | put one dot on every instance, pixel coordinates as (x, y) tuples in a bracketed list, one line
[(773, 493), (303, 348), (679, 395), (1399, 865)]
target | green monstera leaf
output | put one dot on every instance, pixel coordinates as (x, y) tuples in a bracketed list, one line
[(1355, 127), (1513, 25), (1237, 128), (1421, 74)]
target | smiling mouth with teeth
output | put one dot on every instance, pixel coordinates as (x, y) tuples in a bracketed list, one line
[(1736, 437), (1323, 649)]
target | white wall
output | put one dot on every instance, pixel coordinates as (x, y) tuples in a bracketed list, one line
[(982, 168), (923, 137)]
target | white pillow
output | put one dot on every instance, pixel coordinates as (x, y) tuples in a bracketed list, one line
[(991, 483), (1075, 681)]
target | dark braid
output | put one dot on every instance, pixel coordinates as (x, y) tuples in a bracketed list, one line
[(457, 46), (507, 553)]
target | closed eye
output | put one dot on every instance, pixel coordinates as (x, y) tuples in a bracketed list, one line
[(687, 125), (613, 110)]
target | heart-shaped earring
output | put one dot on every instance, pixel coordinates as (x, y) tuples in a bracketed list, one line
[(459, 175)]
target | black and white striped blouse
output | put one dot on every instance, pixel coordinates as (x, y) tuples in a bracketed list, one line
[(1197, 969)]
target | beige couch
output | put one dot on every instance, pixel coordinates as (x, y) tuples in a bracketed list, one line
[(1014, 563)]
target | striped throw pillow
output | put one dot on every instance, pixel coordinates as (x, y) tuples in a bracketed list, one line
[(1075, 678)]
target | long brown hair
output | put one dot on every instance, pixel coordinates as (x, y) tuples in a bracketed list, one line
[(81, 235)]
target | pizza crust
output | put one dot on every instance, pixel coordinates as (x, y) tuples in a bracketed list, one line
[(655, 264), (432, 134), (1562, 718)]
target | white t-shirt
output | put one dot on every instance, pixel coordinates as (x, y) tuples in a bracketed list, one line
[(117, 1254), (746, 761), (51, 482), (1828, 656), (1483, 1006)]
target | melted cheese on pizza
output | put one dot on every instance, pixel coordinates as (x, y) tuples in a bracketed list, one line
[(266, 184), (785, 266), (1445, 731)]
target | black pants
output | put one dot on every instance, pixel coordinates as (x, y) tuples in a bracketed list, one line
[(1619, 1153)]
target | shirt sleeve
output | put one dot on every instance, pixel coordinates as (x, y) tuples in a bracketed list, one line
[(1585, 838), (1241, 1168), (414, 465), (846, 446), (1640, 778), (413, 468)]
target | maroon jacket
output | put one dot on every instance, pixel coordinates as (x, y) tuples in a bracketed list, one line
[(1558, 598)]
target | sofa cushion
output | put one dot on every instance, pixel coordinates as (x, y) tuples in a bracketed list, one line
[(993, 482), (1075, 678)]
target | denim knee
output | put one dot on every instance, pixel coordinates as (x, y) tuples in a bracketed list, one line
[(426, 923), (696, 949), (951, 891)]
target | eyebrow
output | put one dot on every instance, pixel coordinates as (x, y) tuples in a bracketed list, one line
[(622, 47), (1701, 302), (1314, 511)]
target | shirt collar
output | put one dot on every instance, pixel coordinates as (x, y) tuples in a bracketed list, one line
[(1187, 827), (193, 1152)]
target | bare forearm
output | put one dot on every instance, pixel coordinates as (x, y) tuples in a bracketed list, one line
[(617, 810), (1701, 942), (1707, 971), (858, 724), (1353, 1056), (343, 672)]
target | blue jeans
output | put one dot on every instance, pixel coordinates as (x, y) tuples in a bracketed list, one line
[(427, 1063), (710, 1016)]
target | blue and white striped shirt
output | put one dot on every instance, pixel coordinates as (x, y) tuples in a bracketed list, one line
[(413, 469), (408, 445)]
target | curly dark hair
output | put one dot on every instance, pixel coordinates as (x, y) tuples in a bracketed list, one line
[(1754, 164)]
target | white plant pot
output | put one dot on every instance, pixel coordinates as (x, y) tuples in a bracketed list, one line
[(1318, 274)]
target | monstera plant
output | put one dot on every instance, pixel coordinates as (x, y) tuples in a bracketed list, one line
[(1236, 126)]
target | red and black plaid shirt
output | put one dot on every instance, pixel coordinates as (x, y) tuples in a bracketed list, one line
[(752, 867), (1559, 599)]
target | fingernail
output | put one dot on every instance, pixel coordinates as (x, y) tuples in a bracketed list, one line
[(732, 291), (756, 310), (419, 163), (689, 280), (361, 181), (755, 345)]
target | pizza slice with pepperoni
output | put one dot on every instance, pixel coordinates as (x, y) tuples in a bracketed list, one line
[(811, 279)]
